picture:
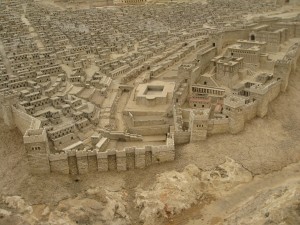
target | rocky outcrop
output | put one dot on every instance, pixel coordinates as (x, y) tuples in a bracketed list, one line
[(175, 191), (94, 206), (170, 194), (17, 203), (225, 176), (279, 205), (91, 207)]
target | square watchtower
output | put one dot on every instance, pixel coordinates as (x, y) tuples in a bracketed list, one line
[(37, 149)]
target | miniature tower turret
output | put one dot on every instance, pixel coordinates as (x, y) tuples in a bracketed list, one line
[(185, 71), (37, 149), (216, 41), (198, 124), (234, 110)]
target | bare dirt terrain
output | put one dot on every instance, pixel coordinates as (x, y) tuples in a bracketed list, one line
[(264, 148)]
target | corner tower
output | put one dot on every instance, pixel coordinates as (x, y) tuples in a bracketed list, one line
[(37, 149), (198, 124)]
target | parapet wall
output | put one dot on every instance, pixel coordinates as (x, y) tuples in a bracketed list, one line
[(206, 56), (24, 121), (82, 162)]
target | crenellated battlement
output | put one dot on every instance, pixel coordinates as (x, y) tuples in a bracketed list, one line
[(82, 153), (112, 159), (35, 135), (58, 156)]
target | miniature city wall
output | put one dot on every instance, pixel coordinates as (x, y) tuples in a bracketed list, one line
[(23, 121), (82, 162), (14, 117)]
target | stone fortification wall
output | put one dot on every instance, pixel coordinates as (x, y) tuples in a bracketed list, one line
[(205, 57), (59, 163), (283, 68), (82, 162), (250, 111), (218, 126), (230, 36), (37, 149), (264, 100), (236, 122), (24, 121), (182, 137)]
